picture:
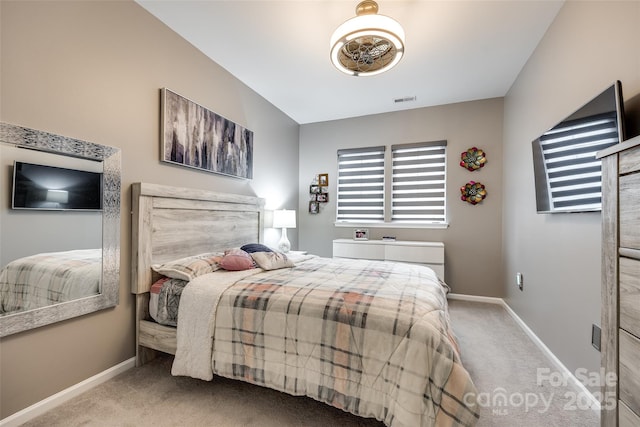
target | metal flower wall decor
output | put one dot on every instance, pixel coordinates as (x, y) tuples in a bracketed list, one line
[(473, 159), (473, 192)]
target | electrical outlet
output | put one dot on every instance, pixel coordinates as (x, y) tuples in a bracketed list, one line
[(595, 337), (519, 281)]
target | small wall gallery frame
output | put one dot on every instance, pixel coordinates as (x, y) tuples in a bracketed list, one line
[(318, 192), (198, 138)]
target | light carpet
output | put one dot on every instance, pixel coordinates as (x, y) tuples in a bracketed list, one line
[(501, 359)]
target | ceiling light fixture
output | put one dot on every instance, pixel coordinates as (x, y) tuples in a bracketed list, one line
[(367, 44)]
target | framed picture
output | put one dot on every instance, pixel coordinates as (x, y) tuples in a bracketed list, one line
[(198, 138), (314, 189), (314, 207), (322, 197), (324, 189), (313, 197), (323, 179), (361, 234)]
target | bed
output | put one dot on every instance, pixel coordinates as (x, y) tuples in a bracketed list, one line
[(49, 278), (368, 337)]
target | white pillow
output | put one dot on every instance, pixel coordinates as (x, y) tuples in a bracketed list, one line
[(271, 260)]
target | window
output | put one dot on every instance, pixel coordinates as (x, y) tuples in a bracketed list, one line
[(416, 189), (361, 185), (418, 182)]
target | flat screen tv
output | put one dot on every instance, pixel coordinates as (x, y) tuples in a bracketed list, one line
[(567, 174), (52, 188)]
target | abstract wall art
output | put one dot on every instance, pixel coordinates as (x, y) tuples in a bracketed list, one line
[(196, 137)]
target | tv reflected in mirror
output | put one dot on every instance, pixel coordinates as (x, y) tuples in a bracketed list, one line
[(567, 174), (53, 188)]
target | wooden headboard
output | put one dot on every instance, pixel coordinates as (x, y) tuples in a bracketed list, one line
[(171, 222)]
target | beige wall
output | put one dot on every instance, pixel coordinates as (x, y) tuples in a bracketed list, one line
[(588, 46), (92, 70), (473, 240)]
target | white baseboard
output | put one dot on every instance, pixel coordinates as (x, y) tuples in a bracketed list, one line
[(595, 404), (476, 298), (59, 398)]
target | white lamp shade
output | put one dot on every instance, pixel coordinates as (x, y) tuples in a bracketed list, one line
[(283, 218)]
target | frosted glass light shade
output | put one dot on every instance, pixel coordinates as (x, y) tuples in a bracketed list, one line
[(367, 44)]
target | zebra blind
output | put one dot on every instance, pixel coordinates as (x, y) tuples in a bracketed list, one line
[(569, 153), (361, 185), (418, 182)]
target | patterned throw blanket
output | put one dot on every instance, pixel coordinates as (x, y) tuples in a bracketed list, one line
[(371, 338), (49, 278)]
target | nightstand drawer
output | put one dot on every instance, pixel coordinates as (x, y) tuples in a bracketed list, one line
[(630, 295), (629, 371)]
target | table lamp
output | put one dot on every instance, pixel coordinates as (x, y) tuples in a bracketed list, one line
[(283, 218)]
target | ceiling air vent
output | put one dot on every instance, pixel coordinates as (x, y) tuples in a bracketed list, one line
[(405, 99)]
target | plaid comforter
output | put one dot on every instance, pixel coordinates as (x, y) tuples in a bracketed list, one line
[(371, 338), (49, 278)]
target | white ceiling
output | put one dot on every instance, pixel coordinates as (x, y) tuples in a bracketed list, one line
[(456, 50)]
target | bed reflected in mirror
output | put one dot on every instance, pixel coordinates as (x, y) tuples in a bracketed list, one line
[(51, 251), (60, 218)]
